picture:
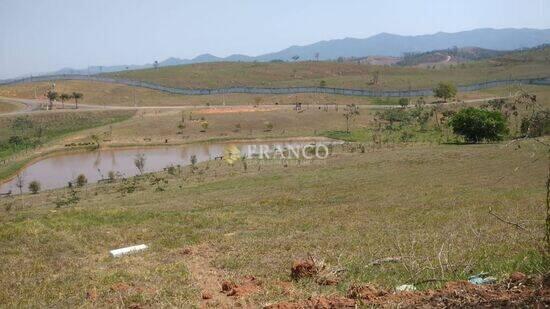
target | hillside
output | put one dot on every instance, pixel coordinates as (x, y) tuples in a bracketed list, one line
[(344, 75), (537, 54), (451, 55)]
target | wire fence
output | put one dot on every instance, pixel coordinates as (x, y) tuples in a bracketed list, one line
[(281, 90)]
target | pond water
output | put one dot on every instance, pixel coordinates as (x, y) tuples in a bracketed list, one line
[(57, 171)]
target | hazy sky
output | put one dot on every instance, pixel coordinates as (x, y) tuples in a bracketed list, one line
[(46, 35)]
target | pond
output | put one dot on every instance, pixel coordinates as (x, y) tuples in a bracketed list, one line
[(58, 170)]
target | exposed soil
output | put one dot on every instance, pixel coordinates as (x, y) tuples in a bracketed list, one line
[(232, 110), (518, 291), (216, 291), (323, 273)]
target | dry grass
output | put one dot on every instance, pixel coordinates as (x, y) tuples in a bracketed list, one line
[(121, 95), (159, 125), (9, 107), (428, 205), (345, 75)]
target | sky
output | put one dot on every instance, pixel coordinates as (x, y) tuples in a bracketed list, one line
[(39, 36)]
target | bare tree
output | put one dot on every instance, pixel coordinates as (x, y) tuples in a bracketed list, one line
[(317, 56), (139, 162), (350, 111), (20, 182)]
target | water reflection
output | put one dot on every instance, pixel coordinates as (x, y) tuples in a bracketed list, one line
[(57, 171)]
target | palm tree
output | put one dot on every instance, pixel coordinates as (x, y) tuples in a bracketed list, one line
[(51, 95), (64, 97), (76, 96)]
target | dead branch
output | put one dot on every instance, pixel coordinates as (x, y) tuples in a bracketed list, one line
[(491, 212), (391, 259)]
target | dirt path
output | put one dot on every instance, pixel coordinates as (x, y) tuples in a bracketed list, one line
[(217, 290), (32, 106), (208, 278)]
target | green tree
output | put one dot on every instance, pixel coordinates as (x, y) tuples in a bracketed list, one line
[(64, 97), (323, 83), (77, 96), (52, 96), (445, 91), (403, 102), (479, 124)]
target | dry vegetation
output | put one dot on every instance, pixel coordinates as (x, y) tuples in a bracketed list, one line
[(9, 107), (344, 75), (348, 211), (96, 93), (404, 203)]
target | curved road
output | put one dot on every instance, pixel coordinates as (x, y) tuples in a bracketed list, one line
[(34, 105)]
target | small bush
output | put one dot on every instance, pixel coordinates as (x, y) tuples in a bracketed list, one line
[(111, 176), (34, 187), (477, 125), (81, 180), (536, 125)]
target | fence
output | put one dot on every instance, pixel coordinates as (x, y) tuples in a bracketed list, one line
[(287, 90)]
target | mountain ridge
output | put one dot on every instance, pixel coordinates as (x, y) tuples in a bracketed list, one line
[(381, 44)]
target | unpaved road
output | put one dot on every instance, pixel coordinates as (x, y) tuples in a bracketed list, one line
[(34, 105)]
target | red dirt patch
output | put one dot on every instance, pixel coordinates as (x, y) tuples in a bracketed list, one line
[(317, 269), (249, 285), (303, 268), (453, 294), (365, 292), (231, 110), (320, 302), (92, 295)]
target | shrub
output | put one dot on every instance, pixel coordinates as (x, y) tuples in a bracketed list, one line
[(81, 180), (111, 176), (478, 124), (445, 91), (34, 187), (393, 115), (536, 125)]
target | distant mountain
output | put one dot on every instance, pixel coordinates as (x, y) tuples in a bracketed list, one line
[(386, 44), (383, 44)]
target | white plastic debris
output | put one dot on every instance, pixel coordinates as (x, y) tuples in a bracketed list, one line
[(127, 250), (405, 288)]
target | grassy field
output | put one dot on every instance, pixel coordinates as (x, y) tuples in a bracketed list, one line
[(121, 95), (23, 135), (344, 75), (9, 107), (426, 204), (408, 190), (96, 93)]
